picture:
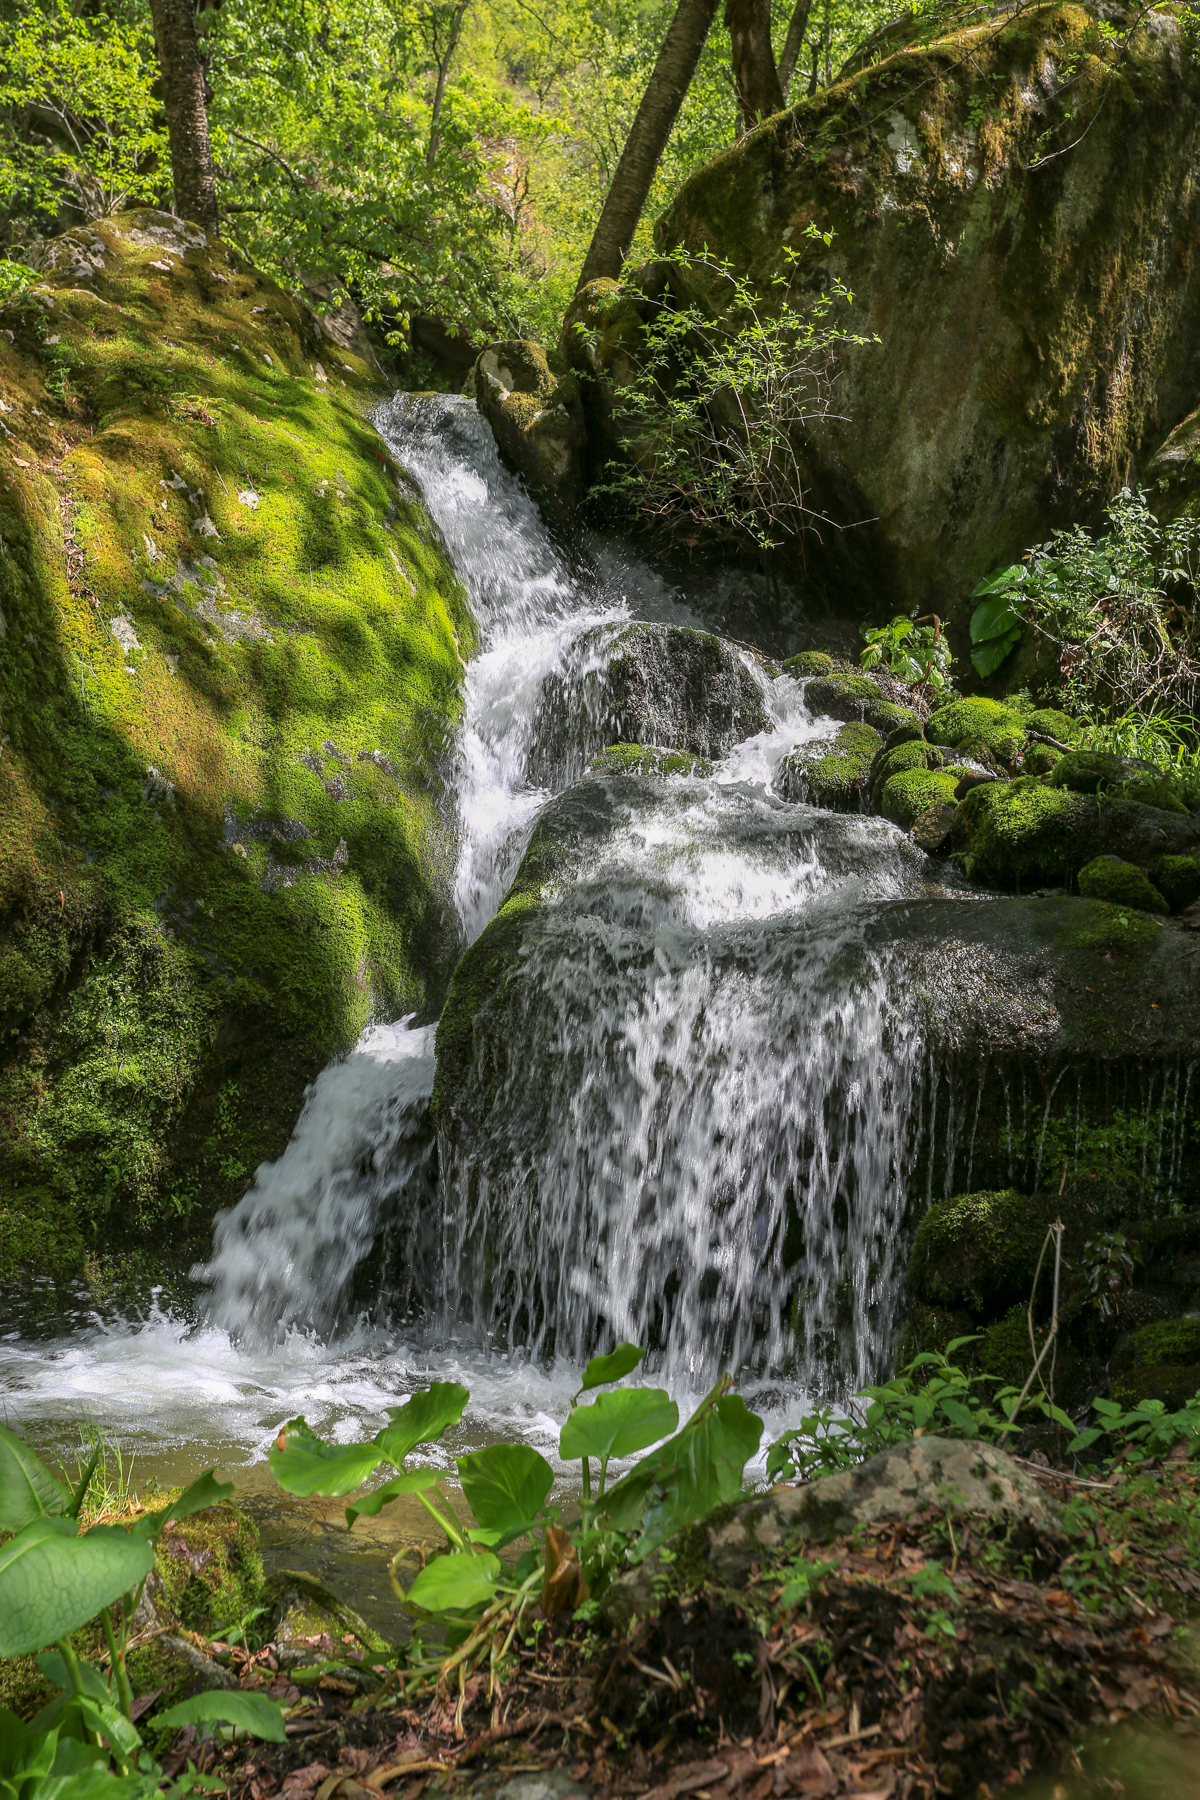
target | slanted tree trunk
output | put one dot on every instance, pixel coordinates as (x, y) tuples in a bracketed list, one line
[(793, 44), (754, 75), (192, 172), (669, 81)]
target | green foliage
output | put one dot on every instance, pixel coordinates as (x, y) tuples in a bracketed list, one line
[(912, 651), (995, 627), (254, 1713), (1108, 1270), (710, 421), (99, 142), (1119, 609), (52, 1580)]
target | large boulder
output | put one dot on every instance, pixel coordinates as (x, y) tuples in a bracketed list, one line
[(537, 420), (1015, 209)]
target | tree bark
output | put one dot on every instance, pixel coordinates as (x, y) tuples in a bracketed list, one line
[(647, 139), (193, 177), (793, 44), (754, 74)]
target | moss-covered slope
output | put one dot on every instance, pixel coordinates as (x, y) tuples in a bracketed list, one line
[(1017, 211), (229, 657)]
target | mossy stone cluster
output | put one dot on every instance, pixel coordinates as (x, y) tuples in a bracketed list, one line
[(834, 775), (232, 653)]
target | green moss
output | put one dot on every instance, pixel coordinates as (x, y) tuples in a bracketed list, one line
[(210, 1569), (1178, 879), (1052, 723), (857, 699), (1090, 772), (1016, 834), (1003, 1350), (640, 759), (809, 662), (834, 778), (1170, 1341), (997, 727), (221, 851), (1108, 878), (1172, 1384), (912, 792), (1039, 759), (977, 1252)]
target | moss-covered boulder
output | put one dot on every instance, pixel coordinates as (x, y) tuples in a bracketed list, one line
[(1110, 878), (978, 1252), (231, 653), (831, 774), (859, 699), (537, 419), (908, 794), (964, 724), (1173, 1341), (1028, 833), (643, 759), (1177, 878), (1011, 205)]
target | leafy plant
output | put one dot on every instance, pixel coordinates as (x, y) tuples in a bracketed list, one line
[(995, 627), (1146, 1429), (1108, 1265), (913, 650), (712, 418)]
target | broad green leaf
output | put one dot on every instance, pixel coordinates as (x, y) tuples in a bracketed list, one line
[(458, 1583), (202, 1493), (988, 657), (52, 1581), (505, 1485), (697, 1469), (110, 1722), (995, 618), (1000, 581), (28, 1490), (54, 1668), (413, 1481), (619, 1424), (254, 1713), (422, 1419), (307, 1465), (614, 1367)]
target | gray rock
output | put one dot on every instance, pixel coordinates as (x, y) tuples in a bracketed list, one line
[(537, 420), (204, 1672)]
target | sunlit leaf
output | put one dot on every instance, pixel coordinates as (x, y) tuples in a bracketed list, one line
[(202, 1493), (619, 1424), (254, 1713), (614, 1367), (995, 618), (1000, 581), (412, 1481), (459, 1583), (28, 1491), (422, 1419), (697, 1469), (505, 1485), (307, 1465), (52, 1581)]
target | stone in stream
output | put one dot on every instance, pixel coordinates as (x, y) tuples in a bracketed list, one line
[(537, 421), (973, 1481), (833, 772)]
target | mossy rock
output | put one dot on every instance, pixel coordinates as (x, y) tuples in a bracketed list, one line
[(1169, 1341), (308, 1619), (914, 791), (1039, 759), (643, 759), (912, 753), (809, 662), (858, 700), (833, 776), (225, 852), (536, 416), (1094, 772), (1172, 1383), (978, 1252), (998, 728), (1003, 1348), (1177, 878), (1108, 878), (1052, 723), (1019, 834)]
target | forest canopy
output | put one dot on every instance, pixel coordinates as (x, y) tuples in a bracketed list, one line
[(440, 157)]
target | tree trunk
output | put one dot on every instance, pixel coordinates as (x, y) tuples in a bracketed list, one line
[(759, 92), (192, 172), (793, 44), (647, 139)]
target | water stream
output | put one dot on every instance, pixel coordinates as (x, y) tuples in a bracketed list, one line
[(714, 1050)]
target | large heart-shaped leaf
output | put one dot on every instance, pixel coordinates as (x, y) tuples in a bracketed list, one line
[(995, 618), (619, 1424), (202, 1493), (254, 1713), (697, 1469), (307, 1465), (412, 1481), (988, 657), (52, 1581), (54, 1668), (459, 1583), (505, 1485), (1000, 581), (422, 1419), (28, 1490), (614, 1367)]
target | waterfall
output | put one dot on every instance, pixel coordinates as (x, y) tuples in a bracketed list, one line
[(702, 1137)]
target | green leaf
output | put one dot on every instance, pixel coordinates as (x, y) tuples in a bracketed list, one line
[(52, 1581), (614, 1367), (254, 1713), (422, 1419), (458, 1583), (307, 1465), (697, 1469), (28, 1490), (107, 1720), (988, 657), (1000, 581), (54, 1668), (995, 618), (412, 1481), (619, 1424), (505, 1485), (202, 1493)]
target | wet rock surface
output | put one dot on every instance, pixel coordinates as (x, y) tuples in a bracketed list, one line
[(537, 420)]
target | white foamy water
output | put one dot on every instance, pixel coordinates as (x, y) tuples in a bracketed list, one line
[(705, 1146)]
